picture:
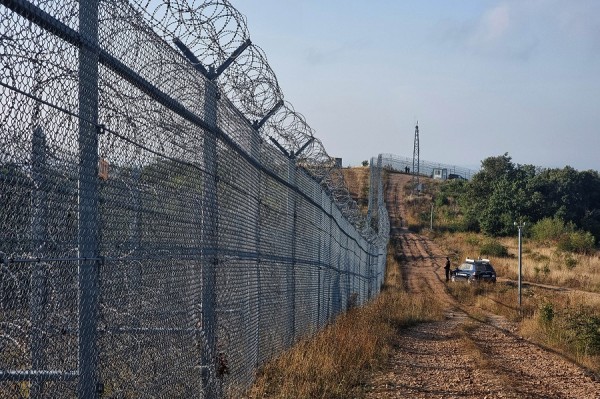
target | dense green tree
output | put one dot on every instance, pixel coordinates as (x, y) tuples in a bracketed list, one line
[(503, 192), (572, 196), (500, 194)]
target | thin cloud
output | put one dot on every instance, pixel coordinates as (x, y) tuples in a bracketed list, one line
[(516, 29), (493, 25), (580, 23), (498, 32), (331, 53)]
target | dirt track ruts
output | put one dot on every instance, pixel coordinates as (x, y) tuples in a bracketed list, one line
[(463, 357)]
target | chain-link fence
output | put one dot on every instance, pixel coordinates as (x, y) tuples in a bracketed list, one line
[(167, 222), (427, 168)]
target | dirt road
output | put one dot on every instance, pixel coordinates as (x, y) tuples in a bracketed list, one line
[(463, 357)]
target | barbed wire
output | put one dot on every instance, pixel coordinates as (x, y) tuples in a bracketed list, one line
[(213, 31), (168, 160)]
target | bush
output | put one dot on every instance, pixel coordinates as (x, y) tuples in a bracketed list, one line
[(570, 262), (473, 240), (578, 241), (546, 269), (547, 313), (537, 257), (493, 248), (551, 229), (565, 235), (585, 325)]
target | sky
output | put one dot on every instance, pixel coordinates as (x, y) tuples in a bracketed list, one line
[(481, 77)]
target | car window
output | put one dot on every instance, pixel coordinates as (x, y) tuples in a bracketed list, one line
[(465, 266), (484, 267)]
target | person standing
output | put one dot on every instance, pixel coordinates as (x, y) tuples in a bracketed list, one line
[(447, 268)]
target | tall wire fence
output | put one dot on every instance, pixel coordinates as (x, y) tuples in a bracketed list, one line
[(168, 222), (426, 168)]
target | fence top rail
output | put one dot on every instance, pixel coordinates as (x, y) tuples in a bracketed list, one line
[(161, 210), (336, 186), (426, 167)]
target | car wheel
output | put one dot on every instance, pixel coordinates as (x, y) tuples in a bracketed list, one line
[(453, 278)]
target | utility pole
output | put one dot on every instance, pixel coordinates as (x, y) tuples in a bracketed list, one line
[(520, 227), (415, 166), (431, 219)]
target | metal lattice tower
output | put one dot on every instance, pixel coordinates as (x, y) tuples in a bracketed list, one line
[(415, 166)]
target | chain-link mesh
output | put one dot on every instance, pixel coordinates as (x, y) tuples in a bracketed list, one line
[(167, 222), (426, 168)]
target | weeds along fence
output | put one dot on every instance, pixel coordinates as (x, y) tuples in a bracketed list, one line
[(167, 222)]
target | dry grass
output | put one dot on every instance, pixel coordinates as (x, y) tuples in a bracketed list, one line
[(549, 317), (335, 362), (418, 205), (320, 367), (557, 332), (562, 330), (357, 180), (547, 265), (566, 321), (540, 264)]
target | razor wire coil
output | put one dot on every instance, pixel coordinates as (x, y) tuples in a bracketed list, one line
[(166, 225)]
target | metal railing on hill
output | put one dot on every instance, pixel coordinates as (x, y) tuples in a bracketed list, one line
[(167, 222), (426, 168)]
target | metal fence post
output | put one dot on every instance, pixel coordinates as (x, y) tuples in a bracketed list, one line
[(370, 271), (135, 302), (333, 271), (256, 143), (370, 199), (38, 273), (349, 271), (291, 278), (209, 240), (160, 330), (325, 281), (136, 227), (88, 384), (317, 194)]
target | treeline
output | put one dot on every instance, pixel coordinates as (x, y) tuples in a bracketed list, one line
[(560, 205)]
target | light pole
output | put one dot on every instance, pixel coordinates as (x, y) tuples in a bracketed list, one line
[(520, 227), (431, 217)]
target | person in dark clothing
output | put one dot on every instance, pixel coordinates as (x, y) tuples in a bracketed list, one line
[(447, 268)]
